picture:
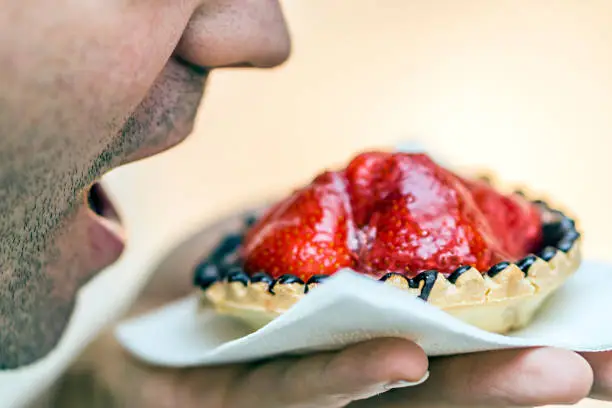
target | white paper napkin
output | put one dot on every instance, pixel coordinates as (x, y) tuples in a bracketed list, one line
[(350, 308)]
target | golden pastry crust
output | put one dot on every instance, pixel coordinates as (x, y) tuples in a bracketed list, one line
[(500, 300), (499, 304)]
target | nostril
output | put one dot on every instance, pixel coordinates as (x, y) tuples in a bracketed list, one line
[(238, 65), (198, 69), (204, 70)]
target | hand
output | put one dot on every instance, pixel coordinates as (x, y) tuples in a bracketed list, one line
[(352, 377), (512, 378), (601, 363), (108, 377)]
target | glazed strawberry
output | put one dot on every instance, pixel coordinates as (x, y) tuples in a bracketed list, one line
[(370, 179), (429, 221), (512, 218), (391, 212), (311, 232)]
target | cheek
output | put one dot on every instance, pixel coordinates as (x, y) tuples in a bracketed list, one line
[(94, 61), (39, 297)]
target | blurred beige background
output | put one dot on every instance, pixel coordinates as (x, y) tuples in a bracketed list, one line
[(523, 87)]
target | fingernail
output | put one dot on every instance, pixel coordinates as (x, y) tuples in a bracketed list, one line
[(404, 384)]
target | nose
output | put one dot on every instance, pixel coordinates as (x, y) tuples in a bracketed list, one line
[(224, 33)]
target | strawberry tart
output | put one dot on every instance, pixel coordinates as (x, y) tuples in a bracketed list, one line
[(488, 258)]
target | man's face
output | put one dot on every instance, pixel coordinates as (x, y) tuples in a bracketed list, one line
[(86, 86)]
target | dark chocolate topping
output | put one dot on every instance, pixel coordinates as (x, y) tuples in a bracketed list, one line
[(569, 225), (497, 268), (548, 253), (458, 272), (565, 244), (286, 279), (572, 235), (237, 274), (317, 278), (429, 278), (525, 263), (553, 232), (262, 277), (206, 274), (390, 275)]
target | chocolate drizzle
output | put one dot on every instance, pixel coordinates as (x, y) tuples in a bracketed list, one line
[(206, 274), (237, 274), (317, 279), (548, 253), (497, 268), (429, 279), (262, 277), (565, 245), (559, 233), (525, 263), (390, 275), (567, 242), (286, 279), (458, 272)]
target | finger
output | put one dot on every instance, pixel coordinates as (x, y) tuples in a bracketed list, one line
[(601, 364), (333, 379), (528, 377)]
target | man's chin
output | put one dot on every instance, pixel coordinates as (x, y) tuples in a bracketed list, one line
[(87, 242), (35, 328)]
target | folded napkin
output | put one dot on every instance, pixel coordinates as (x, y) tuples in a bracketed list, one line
[(349, 308)]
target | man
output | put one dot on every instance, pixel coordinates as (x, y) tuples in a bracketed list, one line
[(91, 85)]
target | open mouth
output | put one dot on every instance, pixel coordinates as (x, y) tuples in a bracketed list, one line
[(99, 203), (102, 206)]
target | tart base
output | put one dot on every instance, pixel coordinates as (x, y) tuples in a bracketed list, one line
[(506, 301)]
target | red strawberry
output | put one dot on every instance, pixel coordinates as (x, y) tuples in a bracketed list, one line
[(429, 221), (386, 212), (513, 219), (369, 180), (311, 232)]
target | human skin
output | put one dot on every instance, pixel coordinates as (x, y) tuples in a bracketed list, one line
[(86, 86)]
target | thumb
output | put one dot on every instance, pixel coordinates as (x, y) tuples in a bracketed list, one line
[(332, 379)]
